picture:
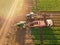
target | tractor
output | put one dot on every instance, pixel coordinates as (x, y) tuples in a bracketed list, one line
[(35, 21)]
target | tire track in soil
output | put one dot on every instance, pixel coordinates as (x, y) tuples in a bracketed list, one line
[(14, 36), (23, 37)]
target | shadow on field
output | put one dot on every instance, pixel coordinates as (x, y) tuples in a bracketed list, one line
[(35, 36), (20, 36), (47, 34)]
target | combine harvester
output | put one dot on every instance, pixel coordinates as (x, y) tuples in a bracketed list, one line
[(36, 21), (39, 21)]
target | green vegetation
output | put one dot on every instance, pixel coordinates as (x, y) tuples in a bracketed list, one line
[(51, 36), (47, 5)]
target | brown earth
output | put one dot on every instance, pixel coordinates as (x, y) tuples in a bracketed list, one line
[(10, 34)]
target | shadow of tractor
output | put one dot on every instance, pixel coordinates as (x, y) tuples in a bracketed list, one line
[(48, 34)]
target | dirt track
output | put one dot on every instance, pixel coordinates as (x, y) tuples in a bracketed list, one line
[(9, 35)]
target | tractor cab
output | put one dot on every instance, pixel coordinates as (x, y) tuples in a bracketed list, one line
[(49, 22), (21, 24), (30, 16)]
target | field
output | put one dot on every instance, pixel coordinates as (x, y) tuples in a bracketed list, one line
[(11, 12), (5, 6), (47, 5), (51, 36)]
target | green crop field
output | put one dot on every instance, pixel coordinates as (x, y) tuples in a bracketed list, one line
[(47, 5), (51, 36)]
